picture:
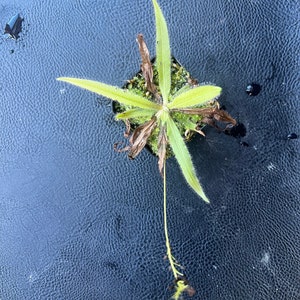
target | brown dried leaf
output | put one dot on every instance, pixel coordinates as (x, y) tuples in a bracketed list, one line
[(140, 136), (210, 113), (162, 148), (117, 149), (223, 116), (127, 130), (192, 82), (146, 65), (196, 111), (191, 291)]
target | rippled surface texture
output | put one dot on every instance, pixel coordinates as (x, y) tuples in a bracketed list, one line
[(79, 221)]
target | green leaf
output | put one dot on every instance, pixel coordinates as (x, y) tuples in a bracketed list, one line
[(135, 113), (184, 159), (163, 53), (195, 96), (115, 93), (184, 89)]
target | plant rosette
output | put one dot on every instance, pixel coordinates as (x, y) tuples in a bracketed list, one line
[(188, 124), (162, 107)]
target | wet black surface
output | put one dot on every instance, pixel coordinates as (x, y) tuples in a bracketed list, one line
[(80, 221)]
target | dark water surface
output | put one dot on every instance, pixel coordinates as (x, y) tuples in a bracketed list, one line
[(79, 221)]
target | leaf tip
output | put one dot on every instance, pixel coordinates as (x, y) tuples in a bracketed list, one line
[(201, 193), (218, 90), (198, 189), (65, 79), (206, 200)]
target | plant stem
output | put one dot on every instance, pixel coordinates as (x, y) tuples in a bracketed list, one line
[(171, 258)]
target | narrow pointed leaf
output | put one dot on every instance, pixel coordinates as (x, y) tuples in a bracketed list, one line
[(135, 113), (195, 96), (184, 159), (112, 92), (163, 53)]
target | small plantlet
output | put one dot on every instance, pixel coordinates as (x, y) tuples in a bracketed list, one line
[(162, 108)]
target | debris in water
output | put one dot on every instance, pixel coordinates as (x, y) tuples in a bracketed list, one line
[(14, 26)]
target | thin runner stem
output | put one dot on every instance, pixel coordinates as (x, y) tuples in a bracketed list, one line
[(171, 259)]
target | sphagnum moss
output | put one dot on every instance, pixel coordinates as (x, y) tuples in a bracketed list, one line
[(164, 106)]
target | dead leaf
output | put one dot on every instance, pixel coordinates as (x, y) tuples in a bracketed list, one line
[(139, 137), (146, 67), (117, 149), (196, 111), (191, 291), (223, 116), (162, 148), (128, 128), (214, 114), (192, 82)]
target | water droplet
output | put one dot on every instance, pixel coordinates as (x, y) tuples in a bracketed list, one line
[(236, 131), (244, 144), (292, 136), (253, 89)]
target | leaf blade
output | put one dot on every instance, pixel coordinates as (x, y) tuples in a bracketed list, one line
[(115, 93), (163, 52), (183, 158), (195, 96), (135, 113)]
